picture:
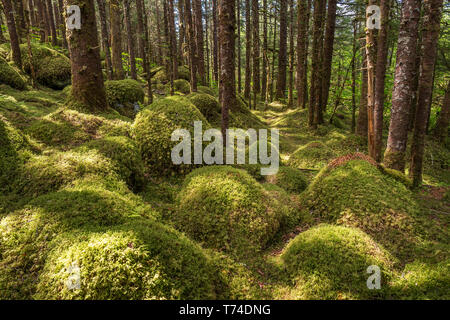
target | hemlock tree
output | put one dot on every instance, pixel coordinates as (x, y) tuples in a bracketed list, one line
[(88, 90)]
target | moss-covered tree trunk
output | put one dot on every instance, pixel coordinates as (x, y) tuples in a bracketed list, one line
[(302, 51), (431, 27), (116, 39), (441, 131), (88, 90), (13, 36), (328, 51), (2, 36), (282, 55), (227, 89), (105, 38), (394, 156), (62, 25)]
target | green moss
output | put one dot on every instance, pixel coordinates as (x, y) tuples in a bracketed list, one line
[(290, 179), (122, 95), (153, 129), (356, 193), (125, 156), (208, 106), (314, 155), (330, 262), (226, 209), (420, 280), (399, 176), (181, 85), (52, 68), (29, 234), (161, 75), (206, 90), (392, 158), (10, 76)]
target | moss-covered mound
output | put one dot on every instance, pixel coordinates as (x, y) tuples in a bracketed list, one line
[(65, 129), (206, 90), (208, 106), (330, 262), (153, 129), (290, 179), (226, 209), (141, 259), (355, 192), (125, 156), (181, 85), (242, 117), (12, 143), (314, 155), (10, 76), (52, 68), (161, 75), (124, 95)]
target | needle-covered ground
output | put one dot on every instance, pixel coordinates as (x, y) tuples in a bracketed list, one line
[(98, 195)]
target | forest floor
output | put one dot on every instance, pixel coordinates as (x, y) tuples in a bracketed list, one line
[(418, 269)]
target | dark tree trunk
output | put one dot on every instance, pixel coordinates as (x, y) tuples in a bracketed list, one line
[(62, 25), (328, 51), (264, 48), (116, 39), (147, 53), (191, 43), (248, 45), (430, 36), (441, 131), (159, 57), (32, 13), (51, 22), (282, 56), (274, 46), (198, 17), (46, 20), (215, 43), (130, 37), (256, 53), (227, 89), (394, 156), (87, 79), (291, 55), (302, 51), (173, 40), (105, 38), (13, 36), (41, 20), (239, 66)]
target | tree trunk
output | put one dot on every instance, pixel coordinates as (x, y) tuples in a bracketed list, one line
[(282, 56), (160, 56), (46, 20), (116, 40), (87, 79), (198, 18), (130, 37), (191, 44), (264, 61), (248, 45), (216, 45), (394, 156), (256, 53), (441, 131), (328, 51), (147, 53), (181, 30), (105, 38), (291, 56), (32, 13), (51, 23), (173, 40), (382, 55), (227, 88), (239, 67), (302, 51), (2, 36), (62, 26), (355, 33), (430, 37), (41, 20), (13, 36)]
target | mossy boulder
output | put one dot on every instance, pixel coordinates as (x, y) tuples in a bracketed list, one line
[(330, 262), (125, 157), (161, 75), (290, 179), (206, 90), (208, 106), (124, 96), (354, 191), (52, 68), (10, 76), (153, 127), (181, 85), (314, 155), (226, 209)]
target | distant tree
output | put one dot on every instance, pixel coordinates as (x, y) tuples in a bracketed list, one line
[(51, 22), (248, 52), (105, 39), (199, 43), (130, 37), (328, 51), (191, 44), (282, 56), (441, 131), (302, 51), (256, 51), (13, 36), (116, 39)]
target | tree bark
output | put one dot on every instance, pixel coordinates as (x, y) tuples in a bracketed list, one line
[(431, 27), (227, 88), (41, 20), (302, 51), (256, 53), (394, 156), (264, 48), (130, 31), (216, 45), (116, 39), (51, 22), (13, 36), (441, 131), (198, 18), (191, 44), (282, 56), (105, 38), (290, 103), (87, 79), (62, 26), (328, 51), (248, 45)]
